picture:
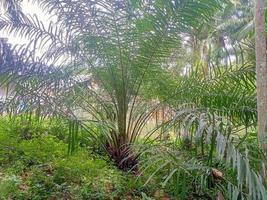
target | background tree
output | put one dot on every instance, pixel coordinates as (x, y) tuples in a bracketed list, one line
[(261, 69)]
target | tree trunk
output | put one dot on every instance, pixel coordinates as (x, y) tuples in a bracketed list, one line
[(261, 71), (205, 58)]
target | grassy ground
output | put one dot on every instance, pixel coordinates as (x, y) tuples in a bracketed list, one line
[(34, 165)]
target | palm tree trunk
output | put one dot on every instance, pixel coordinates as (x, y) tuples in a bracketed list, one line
[(205, 58), (261, 71)]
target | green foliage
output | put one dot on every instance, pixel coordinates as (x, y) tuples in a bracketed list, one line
[(211, 161), (73, 137), (28, 126), (8, 185), (126, 59), (126, 44), (40, 168)]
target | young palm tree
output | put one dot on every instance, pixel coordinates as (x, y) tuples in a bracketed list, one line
[(96, 57)]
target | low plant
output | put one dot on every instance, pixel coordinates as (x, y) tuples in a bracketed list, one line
[(41, 168), (216, 164)]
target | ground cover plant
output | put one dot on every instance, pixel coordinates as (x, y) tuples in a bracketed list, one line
[(39, 167)]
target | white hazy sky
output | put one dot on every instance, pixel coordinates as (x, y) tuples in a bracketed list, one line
[(29, 9)]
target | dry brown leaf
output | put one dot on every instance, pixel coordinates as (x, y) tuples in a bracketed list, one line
[(218, 175)]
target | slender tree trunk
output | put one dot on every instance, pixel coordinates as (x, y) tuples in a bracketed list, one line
[(205, 58), (261, 71), (196, 51)]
